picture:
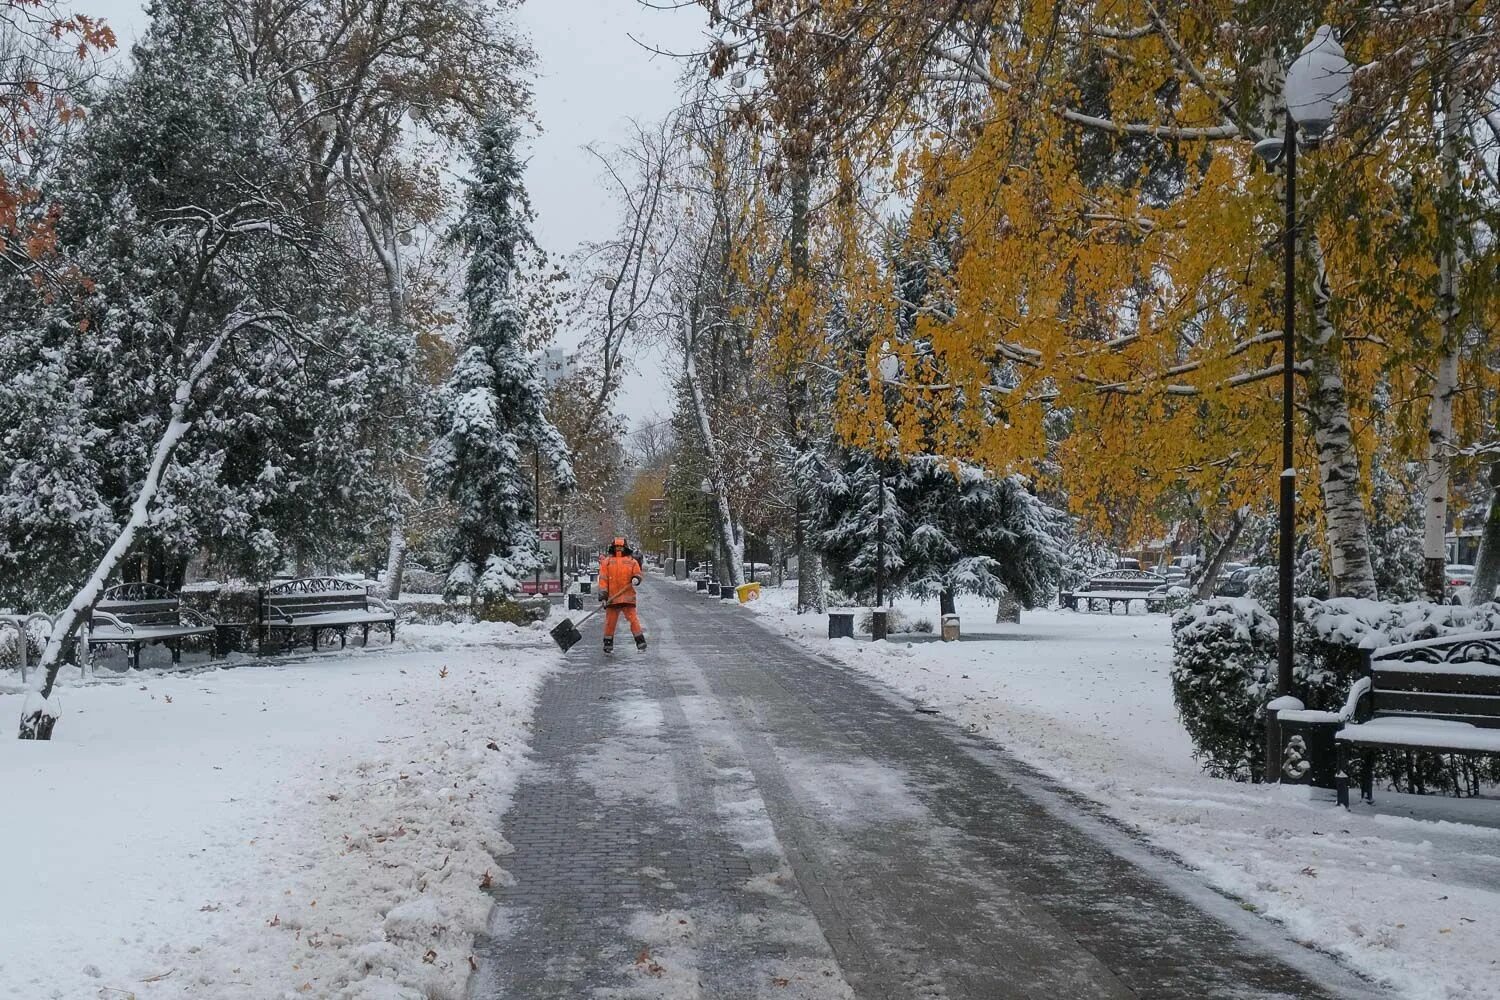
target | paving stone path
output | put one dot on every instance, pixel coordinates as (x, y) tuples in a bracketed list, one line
[(730, 816)]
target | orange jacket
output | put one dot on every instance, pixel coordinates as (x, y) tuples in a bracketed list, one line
[(616, 575)]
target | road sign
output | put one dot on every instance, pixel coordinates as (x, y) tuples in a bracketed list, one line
[(659, 513)]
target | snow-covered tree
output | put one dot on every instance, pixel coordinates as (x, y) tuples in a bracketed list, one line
[(949, 529), (492, 416)]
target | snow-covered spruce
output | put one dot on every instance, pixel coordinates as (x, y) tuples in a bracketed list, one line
[(949, 529), (492, 418)]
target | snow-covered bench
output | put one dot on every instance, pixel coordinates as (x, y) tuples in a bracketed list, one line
[(1440, 695), (1118, 586), (320, 604), (140, 614)]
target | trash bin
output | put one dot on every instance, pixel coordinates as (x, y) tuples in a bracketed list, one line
[(747, 592), (713, 589), (950, 628), (575, 602), (841, 625), (702, 585), (726, 592)]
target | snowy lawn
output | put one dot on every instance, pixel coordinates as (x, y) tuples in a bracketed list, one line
[(316, 827), (1408, 892)]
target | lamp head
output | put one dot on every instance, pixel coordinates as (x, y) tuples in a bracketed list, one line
[(1271, 149), (1317, 83)]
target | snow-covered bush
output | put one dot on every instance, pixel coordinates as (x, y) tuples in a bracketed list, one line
[(896, 623), (1224, 672)]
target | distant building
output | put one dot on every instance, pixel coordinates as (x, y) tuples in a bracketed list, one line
[(557, 366)]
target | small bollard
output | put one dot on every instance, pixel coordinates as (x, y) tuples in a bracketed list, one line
[(840, 625), (950, 628)]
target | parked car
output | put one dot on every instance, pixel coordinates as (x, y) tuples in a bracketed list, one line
[(1459, 578), (1127, 563), (1236, 583)]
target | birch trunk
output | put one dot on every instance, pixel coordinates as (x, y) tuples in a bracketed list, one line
[(1347, 524), (729, 537), (395, 556), (39, 714), (1445, 381), (1487, 563)]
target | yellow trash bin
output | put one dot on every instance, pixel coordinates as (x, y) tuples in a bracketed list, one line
[(747, 592)]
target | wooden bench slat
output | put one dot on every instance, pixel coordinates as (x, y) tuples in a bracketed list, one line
[(1437, 683), (1436, 704)]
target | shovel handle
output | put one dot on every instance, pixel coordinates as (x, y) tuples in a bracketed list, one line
[(602, 605)]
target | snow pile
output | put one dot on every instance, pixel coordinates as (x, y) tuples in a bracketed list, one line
[(324, 828), (1405, 892)]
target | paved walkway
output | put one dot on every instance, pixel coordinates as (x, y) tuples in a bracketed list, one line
[(728, 815)]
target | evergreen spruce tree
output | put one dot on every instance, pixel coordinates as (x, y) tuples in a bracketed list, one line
[(492, 417)]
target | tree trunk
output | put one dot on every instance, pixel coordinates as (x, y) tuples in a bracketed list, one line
[(1347, 525), (947, 604), (395, 558), (1487, 563), (39, 713), (732, 543), (1203, 589), (1445, 382), (799, 404)]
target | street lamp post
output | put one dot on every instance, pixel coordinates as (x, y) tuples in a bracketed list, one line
[(890, 369), (1317, 84)]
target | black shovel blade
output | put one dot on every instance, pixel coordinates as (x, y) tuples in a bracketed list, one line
[(566, 634)]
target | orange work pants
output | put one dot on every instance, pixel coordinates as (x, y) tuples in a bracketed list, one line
[(612, 619)]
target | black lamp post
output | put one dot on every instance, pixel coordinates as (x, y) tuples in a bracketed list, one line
[(889, 369), (1317, 83)]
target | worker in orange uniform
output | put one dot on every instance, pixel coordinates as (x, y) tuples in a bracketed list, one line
[(619, 574)]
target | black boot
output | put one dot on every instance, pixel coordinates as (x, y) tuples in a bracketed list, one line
[(640, 643), (609, 644)]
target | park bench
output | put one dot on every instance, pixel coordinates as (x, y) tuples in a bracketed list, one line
[(1118, 586), (319, 605), (141, 614), (1439, 695)]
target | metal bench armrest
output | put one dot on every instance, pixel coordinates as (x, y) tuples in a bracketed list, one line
[(1358, 692), (110, 619), (196, 619)]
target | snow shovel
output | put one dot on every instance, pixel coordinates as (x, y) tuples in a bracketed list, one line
[(565, 633)]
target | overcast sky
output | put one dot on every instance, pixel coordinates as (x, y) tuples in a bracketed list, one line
[(595, 72)]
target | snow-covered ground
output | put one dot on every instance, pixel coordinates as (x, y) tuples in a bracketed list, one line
[(1408, 893), (310, 827)]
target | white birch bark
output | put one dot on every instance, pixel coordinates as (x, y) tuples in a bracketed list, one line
[(1346, 521), (39, 712), (1445, 379), (733, 541), (395, 556)]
